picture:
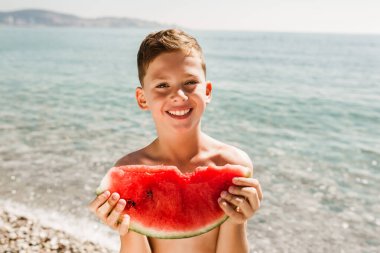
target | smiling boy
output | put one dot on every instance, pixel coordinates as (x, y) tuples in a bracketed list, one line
[(174, 89)]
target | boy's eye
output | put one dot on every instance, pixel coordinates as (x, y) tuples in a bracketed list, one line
[(162, 85), (191, 82)]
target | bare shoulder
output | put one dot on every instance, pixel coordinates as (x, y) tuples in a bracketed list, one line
[(234, 155), (137, 157), (231, 155)]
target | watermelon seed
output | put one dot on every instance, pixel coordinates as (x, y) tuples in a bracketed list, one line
[(149, 194), (130, 203)]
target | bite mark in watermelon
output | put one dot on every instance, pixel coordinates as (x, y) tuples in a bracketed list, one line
[(165, 203)]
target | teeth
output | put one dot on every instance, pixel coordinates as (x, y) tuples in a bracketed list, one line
[(179, 113)]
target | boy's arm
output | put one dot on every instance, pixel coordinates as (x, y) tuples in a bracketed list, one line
[(240, 203), (134, 242), (108, 208), (232, 238)]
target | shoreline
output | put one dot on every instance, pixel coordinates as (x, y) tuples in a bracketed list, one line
[(30, 229), (19, 233)]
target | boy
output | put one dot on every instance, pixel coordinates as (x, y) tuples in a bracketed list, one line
[(172, 74)]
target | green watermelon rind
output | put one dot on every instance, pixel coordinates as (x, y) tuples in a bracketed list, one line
[(134, 226), (104, 184), (138, 228)]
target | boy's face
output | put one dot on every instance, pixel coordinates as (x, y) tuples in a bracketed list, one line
[(175, 91)]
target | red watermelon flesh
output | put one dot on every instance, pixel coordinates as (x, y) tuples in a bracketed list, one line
[(165, 203)]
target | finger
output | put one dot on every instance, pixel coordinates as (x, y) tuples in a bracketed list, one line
[(115, 214), (124, 226), (246, 192), (238, 201), (255, 204), (252, 197), (252, 182), (106, 208), (98, 201), (250, 193), (229, 210)]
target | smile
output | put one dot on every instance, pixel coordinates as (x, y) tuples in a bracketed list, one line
[(179, 114)]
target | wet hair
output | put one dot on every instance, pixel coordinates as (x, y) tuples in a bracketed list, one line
[(166, 41)]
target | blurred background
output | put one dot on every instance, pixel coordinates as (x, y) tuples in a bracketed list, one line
[(296, 85)]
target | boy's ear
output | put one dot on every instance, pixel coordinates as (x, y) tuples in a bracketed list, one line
[(208, 91), (140, 98)]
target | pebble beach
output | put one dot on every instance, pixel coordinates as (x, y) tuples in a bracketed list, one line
[(23, 235)]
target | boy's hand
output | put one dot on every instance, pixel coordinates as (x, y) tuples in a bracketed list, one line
[(242, 200), (108, 209)]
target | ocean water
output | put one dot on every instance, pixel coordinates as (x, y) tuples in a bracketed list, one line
[(305, 107)]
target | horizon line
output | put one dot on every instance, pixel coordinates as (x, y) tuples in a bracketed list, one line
[(176, 25)]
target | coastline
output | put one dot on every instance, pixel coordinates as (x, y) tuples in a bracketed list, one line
[(40, 231), (21, 234)]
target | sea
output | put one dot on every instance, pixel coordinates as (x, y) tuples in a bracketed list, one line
[(304, 106)]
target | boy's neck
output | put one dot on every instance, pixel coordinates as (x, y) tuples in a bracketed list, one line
[(180, 148)]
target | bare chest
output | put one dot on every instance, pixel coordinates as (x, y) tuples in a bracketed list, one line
[(205, 243)]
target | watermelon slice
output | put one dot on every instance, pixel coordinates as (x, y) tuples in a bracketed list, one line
[(165, 203)]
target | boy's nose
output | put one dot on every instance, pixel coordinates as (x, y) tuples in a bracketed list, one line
[(180, 95)]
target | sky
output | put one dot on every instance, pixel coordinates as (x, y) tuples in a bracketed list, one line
[(331, 16)]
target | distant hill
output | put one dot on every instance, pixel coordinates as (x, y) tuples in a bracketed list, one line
[(32, 17)]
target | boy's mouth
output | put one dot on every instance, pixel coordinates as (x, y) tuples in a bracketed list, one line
[(179, 114)]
